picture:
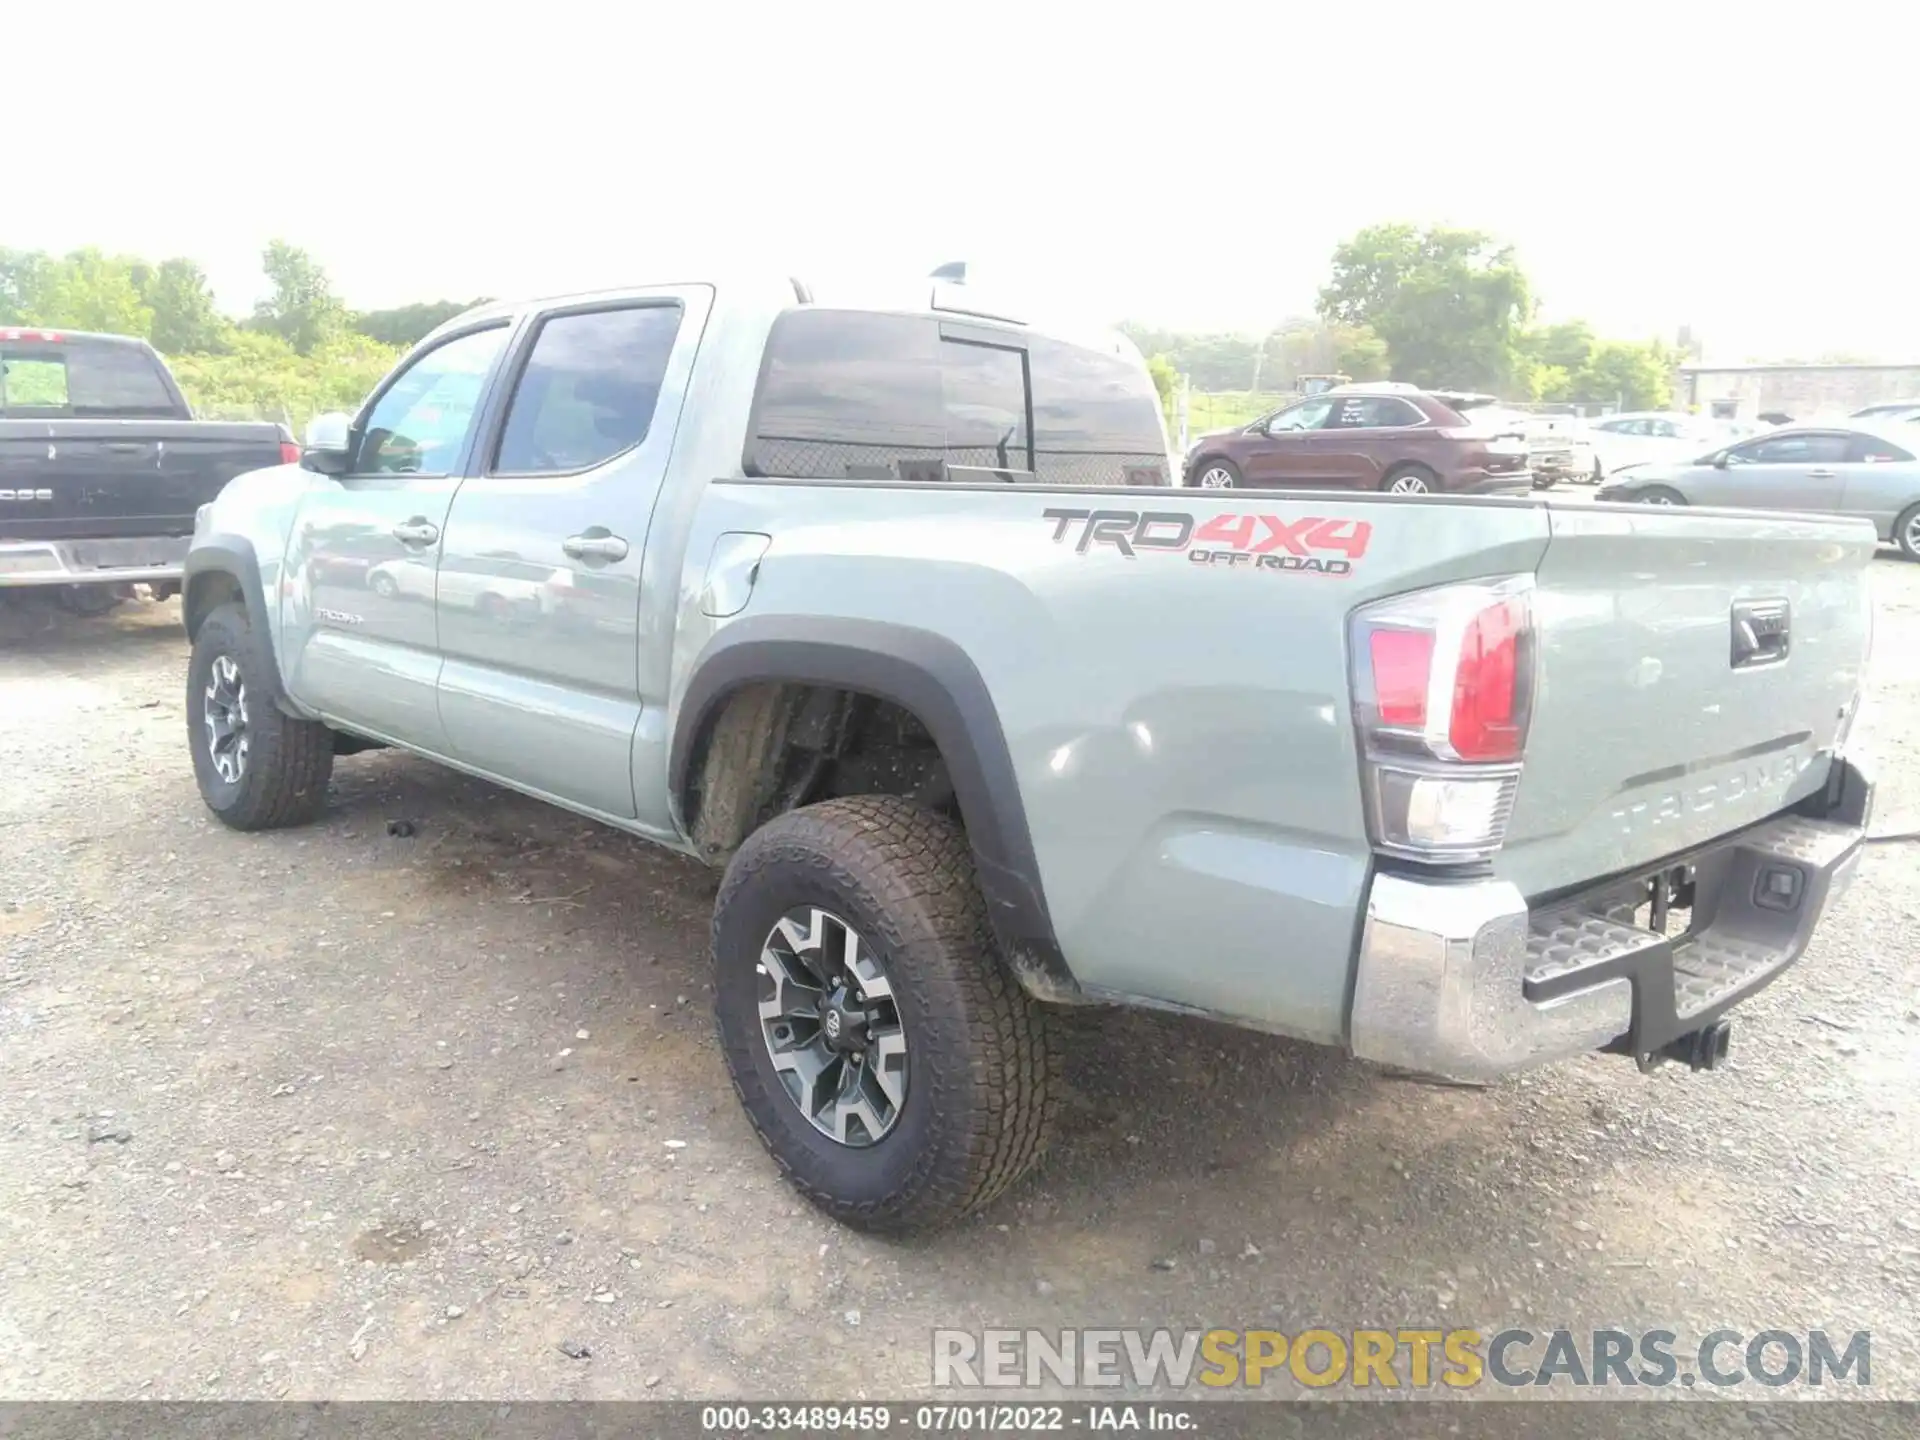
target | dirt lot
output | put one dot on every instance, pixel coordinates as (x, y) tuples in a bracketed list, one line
[(342, 1113)]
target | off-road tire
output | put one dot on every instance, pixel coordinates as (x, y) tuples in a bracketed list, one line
[(983, 1081), (284, 780)]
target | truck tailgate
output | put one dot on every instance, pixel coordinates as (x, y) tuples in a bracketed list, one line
[(1664, 717)]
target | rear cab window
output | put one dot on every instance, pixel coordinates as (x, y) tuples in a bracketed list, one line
[(858, 395), (82, 379)]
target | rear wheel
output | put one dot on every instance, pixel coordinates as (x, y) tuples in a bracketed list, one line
[(890, 1062), (1661, 495), (1216, 475), (1906, 532), (1410, 480), (258, 768)]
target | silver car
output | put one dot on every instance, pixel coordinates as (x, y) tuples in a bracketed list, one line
[(1863, 468)]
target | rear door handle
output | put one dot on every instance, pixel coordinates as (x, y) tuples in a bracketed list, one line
[(1820, 474), (595, 544), (125, 447), (417, 531)]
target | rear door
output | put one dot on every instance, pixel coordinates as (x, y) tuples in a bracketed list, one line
[(1880, 479), (1363, 437), (1293, 451), (1788, 470), (539, 578), (359, 616)]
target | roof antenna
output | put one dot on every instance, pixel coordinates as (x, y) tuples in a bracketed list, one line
[(954, 272)]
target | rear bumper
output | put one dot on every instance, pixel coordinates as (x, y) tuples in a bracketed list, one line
[(92, 562), (1466, 980)]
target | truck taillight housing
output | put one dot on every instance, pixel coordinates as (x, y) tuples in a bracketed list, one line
[(1443, 691)]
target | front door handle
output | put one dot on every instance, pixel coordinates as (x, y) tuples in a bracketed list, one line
[(417, 531), (1820, 474), (595, 544)]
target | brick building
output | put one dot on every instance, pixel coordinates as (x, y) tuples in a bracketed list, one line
[(1747, 391)]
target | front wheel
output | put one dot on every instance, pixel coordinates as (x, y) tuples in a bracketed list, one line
[(1661, 495), (1216, 475), (258, 768), (1906, 533), (889, 1061)]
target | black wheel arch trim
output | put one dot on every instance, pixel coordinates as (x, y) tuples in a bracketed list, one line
[(234, 557), (933, 678)]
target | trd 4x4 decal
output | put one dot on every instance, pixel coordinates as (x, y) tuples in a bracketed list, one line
[(1311, 545)]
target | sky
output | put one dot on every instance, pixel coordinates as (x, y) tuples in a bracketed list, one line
[(1745, 170)]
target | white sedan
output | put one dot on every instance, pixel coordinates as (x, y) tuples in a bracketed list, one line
[(1654, 437)]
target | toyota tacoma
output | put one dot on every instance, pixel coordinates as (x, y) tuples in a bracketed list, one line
[(896, 615)]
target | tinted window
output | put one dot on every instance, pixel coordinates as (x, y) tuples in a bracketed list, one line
[(847, 395), (1371, 412), (1305, 416), (588, 390), (1096, 417), (89, 379), (1872, 450), (1791, 450), (984, 389), (857, 395), (32, 382), (419, 424)]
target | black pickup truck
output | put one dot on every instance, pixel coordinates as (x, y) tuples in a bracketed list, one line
[(102, 466)]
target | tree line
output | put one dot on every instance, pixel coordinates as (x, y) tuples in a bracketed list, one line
[(300, 352), (1435, 306)]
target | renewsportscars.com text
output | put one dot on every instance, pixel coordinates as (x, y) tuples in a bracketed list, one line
[(1399, 1359)]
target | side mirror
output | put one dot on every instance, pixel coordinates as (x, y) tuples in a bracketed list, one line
[(329, 443), (1720, 461)]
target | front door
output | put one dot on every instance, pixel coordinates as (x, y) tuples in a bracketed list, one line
[(539, 585), (358, 616), (1290, 455), (1791, 470)]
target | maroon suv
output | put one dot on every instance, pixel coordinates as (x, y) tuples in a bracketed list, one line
[(1362, 439)]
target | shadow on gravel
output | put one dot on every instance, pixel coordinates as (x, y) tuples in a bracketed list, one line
[(31, 624)]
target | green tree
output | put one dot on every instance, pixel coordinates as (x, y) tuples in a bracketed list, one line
[(409, 324), (88, 290), (1450, 305), (302, 310), (21, 276), (185, 320), (1636, 376)]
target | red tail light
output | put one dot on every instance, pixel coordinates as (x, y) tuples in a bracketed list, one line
[(289, 453), (1487, 723), (1402, 668), (1443, 688)]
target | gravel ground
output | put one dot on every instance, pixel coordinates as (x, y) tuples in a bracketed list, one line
[(340, 1113)]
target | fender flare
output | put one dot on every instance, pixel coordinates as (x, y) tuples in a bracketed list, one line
[(935, 680), (234, 557)]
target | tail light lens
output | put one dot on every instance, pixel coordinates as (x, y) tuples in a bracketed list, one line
[(289, 452), (1443, 691)]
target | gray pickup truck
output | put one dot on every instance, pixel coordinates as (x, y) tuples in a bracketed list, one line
[(102, 466), (891, 612)]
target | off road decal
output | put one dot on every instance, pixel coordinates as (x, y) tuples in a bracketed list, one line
[(1313, 545)]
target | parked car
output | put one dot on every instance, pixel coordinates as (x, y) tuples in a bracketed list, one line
[(1866, 470), (1890, 410), (1651, 437), (1557, 446), (102, 466), (983, 717), (497, 586), (1392, 438)]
